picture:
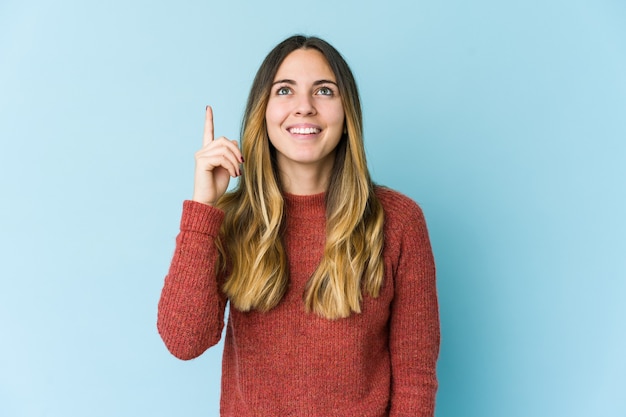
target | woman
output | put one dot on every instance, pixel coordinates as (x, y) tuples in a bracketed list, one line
[(330, 279)]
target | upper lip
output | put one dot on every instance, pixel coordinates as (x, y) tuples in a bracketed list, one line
[(315, 128)]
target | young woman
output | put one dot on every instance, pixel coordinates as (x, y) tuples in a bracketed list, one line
[(330, 279)]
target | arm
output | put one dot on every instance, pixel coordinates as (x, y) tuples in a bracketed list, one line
[(414, 326), (191, 308)]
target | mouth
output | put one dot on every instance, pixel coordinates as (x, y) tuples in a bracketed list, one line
[(304, 130)]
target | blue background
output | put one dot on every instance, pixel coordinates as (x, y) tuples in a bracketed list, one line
[(506, 121)]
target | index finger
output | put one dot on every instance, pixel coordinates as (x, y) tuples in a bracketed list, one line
[(207, 137)]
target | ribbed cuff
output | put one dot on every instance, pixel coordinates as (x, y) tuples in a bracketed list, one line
[(201, 218)]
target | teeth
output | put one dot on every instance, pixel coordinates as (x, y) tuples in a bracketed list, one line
[(304, 130)]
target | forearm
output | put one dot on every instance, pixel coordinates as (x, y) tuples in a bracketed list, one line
[(191, 308), (414, 361)]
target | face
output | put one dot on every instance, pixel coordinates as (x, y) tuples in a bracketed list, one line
[(304, 116)]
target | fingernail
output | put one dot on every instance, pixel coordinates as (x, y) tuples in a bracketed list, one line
[(242, 161)]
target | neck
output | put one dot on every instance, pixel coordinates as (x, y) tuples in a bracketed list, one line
[(305, 179)]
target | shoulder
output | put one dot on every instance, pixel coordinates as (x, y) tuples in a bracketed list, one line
[(400, 210), (404, 224), (407, 242)]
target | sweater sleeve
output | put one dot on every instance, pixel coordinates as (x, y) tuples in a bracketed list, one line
[(414, 327), (191, 307)]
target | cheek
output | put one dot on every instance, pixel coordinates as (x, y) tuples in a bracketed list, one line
[(273, 115), (339, 117), (268, 115)]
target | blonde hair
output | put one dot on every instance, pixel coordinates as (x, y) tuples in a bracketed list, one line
[(251, 246)]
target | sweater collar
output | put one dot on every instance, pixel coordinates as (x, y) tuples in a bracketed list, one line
[(305, 206)]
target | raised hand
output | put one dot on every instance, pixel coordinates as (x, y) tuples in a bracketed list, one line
[(216, 162)]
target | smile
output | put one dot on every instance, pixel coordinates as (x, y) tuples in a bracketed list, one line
[(304, 130)]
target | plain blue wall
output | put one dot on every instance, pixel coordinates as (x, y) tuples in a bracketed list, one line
[(505, 120)]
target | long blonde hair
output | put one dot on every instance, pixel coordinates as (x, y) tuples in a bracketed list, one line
[(251, 246)]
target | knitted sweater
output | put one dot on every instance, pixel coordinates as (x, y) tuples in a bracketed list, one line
[(286, 362)]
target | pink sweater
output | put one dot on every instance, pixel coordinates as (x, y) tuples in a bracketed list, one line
[(286, 362)]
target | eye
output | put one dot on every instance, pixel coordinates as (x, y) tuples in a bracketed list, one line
[(325, 91), (282, 91)]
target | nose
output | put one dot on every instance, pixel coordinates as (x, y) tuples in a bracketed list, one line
[(304, 106)]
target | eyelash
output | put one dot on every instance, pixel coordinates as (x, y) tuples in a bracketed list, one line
[(330, 91), (279, 91)]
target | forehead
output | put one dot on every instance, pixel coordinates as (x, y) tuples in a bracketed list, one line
[(305, 64)]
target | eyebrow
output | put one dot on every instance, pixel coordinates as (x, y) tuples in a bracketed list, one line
[(292, 82)]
